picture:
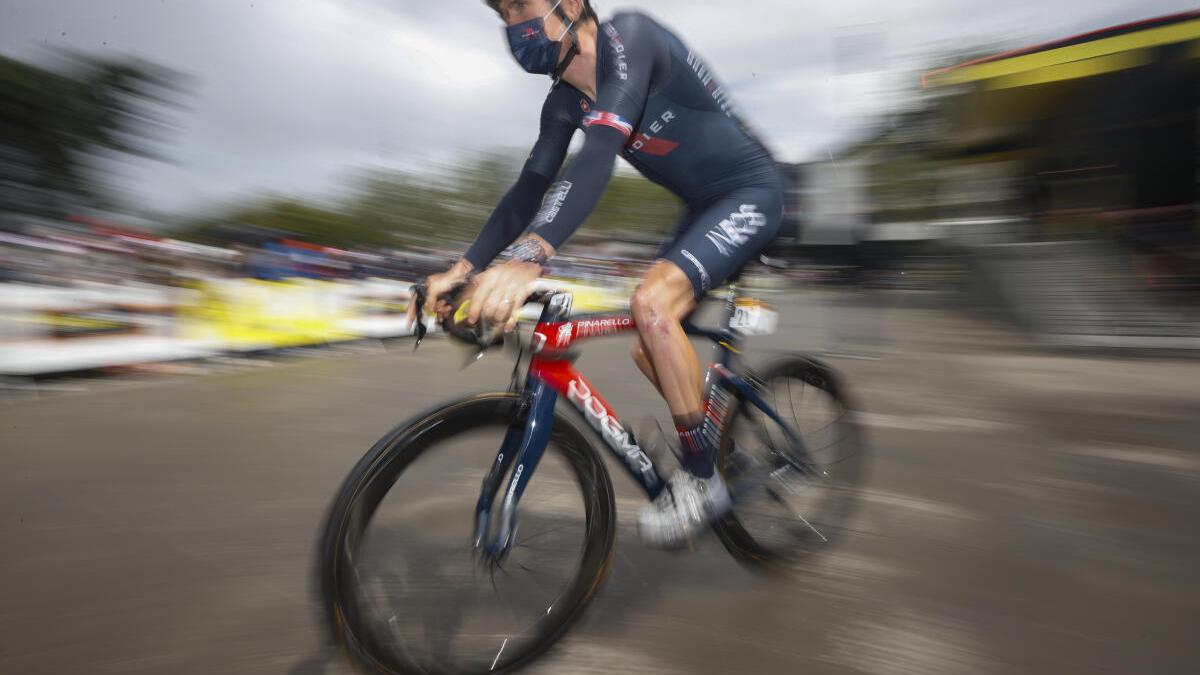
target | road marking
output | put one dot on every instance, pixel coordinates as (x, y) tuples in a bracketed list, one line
[(582, 658), (933, 423), (924, 506), (907, 643), (1156, 457)]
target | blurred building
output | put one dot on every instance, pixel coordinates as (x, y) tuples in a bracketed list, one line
[(1078, 160), (1104, 121), (1063, 175), (874, 202)]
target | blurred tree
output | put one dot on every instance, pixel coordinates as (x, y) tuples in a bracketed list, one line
[(54, 121), (445, 206)]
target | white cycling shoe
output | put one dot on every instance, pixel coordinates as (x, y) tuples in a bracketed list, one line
[(683, 510)]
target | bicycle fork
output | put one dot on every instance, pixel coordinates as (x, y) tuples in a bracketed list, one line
[(521, 451)]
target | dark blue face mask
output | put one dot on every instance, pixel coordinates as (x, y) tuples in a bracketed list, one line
[(534, 50)]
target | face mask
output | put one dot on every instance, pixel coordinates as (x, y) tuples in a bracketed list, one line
[(532, 48)]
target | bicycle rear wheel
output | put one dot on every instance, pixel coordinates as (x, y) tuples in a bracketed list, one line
[(402, 588), (784, 507)]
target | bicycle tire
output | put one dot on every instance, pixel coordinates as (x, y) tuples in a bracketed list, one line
[(734, 535), (368, 483)]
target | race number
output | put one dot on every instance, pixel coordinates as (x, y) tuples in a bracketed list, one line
[(752, 317)]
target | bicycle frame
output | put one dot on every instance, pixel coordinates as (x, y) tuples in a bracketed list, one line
[(552, 374)]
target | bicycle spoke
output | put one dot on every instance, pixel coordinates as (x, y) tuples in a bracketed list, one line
[(541, 533), (817, 431), (763, 416), (497, 659), (792, 405), (799, 515), (760, 431), (799, 451)]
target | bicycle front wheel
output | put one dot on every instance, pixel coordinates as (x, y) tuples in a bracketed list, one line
[(402, 588), (789, 498)]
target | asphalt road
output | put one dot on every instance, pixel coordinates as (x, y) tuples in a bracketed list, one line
[(1024, 513)]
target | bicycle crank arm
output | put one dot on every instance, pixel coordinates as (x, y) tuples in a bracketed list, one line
[(740, 487)]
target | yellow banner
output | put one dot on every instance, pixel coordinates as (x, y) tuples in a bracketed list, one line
[(255, 314)]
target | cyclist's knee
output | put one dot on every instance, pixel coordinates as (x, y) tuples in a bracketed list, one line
[(651, 311), (663, 298)]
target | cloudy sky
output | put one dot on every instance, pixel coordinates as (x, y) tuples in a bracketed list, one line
[(289, 96)]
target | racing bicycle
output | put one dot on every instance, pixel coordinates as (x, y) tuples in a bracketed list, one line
[(469, 538)]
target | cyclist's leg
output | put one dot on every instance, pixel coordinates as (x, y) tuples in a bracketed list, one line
[(641, 354), (718, 243), (663, 351)]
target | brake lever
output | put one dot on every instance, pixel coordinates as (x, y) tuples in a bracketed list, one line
[(483, 347), (419, 292)]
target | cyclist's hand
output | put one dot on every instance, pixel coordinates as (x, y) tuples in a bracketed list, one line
[(500, 293), (438, 285)]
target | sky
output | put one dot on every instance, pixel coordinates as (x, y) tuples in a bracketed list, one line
[(290, 97)]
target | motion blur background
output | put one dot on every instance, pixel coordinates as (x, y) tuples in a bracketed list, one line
[(993, 230)]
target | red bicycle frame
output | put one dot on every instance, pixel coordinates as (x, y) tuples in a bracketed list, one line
[(552, 374), (552, 364)]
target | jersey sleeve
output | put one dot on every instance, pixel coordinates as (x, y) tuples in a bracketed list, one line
[(622, 89), (518, 206), (559, 118)]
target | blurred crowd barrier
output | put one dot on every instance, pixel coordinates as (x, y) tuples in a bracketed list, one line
[(48, 329)]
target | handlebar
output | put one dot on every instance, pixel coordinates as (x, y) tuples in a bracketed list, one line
[(455, 327)]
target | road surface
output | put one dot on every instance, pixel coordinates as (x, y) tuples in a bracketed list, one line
[(1024, 512)]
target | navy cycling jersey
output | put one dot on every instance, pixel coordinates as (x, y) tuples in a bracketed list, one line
[(657, 105)]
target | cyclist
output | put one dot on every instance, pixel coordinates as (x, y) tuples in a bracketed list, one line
[(638, 92)]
